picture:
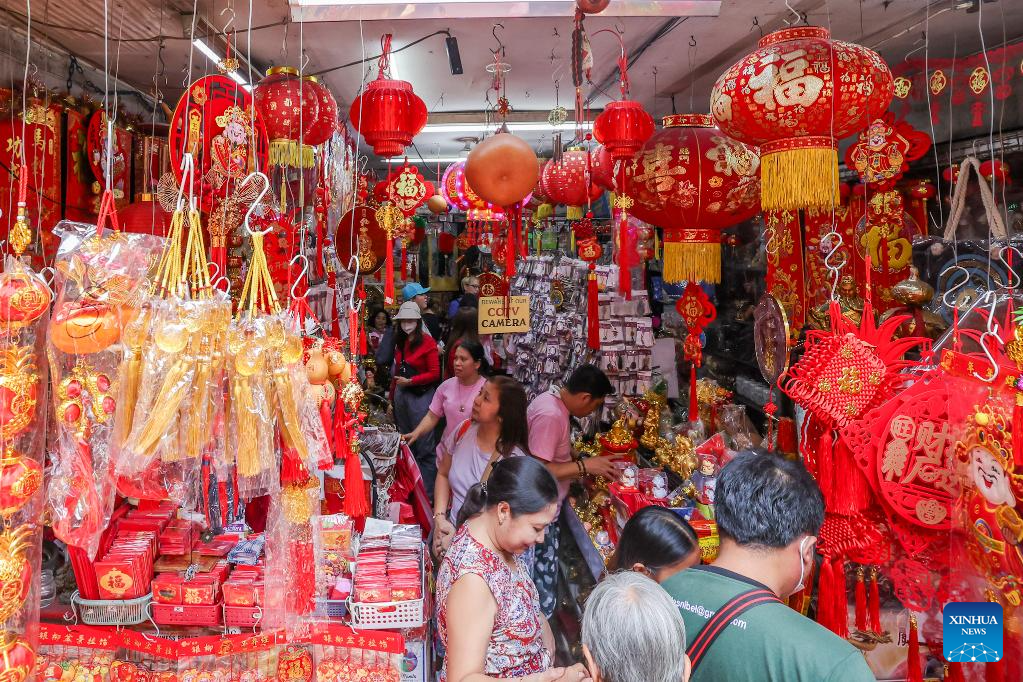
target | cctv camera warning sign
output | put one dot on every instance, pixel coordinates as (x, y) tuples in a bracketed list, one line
[(504, 315), (972, 632)]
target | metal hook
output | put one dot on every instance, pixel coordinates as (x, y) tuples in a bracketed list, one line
[(692, 41), (992, 325), (832, 250), (500, 43), (794, 11), (305, 271), (230, 22), (305, 61), (619, 27), (1013, 283), (921, 43), (48, 283), (756, 25), (995, 369), (957, 287), (252, 207)]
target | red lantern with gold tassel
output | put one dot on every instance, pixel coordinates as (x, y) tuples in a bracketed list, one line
[(388, 113), (795, 96), (568, 182), (288, 106), (693, 181)]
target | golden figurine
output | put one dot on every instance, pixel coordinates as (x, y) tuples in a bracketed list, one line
[(652, 419), (849, 302)]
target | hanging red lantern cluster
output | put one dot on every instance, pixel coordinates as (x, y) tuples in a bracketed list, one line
[(388, 113), (693, 181), (995, 171), (625, 125), (322, 126), (569, 182), (288, 106), (795, 96)]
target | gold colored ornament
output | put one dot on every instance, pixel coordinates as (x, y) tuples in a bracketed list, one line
[(391, 220), (15, 570), (19, 383)]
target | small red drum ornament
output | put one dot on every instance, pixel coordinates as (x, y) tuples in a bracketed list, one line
[(17, 659), (23, 299)]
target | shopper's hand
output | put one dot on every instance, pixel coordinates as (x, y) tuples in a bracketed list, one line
[(575, 673), (443, 533), (557, 675), (601, 466), (402, 381), (410, 437)]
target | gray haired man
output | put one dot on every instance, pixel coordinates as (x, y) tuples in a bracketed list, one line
[(633, 632)]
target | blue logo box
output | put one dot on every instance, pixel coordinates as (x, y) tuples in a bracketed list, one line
[(972, 632)]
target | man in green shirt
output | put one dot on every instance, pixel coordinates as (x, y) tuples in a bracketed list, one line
[(769, 511)]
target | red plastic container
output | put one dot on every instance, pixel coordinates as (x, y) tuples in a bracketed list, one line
[(187, 614)]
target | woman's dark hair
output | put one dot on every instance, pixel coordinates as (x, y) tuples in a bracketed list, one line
[(512, 411), (373, 316), (464, 326), (400, 337), (523, 482), (655, 537), (476, 352)]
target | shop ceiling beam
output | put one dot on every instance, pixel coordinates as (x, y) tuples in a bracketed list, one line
[(391, 10)]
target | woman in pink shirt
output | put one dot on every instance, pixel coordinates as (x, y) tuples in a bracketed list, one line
[(496, 431), (454, 397)]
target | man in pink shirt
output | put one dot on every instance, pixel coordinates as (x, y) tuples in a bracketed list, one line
[(550, 441)]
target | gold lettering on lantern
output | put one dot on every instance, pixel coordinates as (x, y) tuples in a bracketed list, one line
[(938, 81), (658, 174), (786, 85)]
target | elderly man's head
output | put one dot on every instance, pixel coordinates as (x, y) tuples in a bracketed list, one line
[(633, 632)]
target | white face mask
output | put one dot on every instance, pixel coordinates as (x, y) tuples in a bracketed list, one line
[(802, 567), (408, 326)]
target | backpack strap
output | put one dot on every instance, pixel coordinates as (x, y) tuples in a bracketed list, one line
[(717, 624)]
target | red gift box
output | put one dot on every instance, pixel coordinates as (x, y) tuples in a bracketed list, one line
[(167, 588), (243, 592)]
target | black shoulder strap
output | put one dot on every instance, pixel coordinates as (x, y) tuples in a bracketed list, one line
[(734, 608)]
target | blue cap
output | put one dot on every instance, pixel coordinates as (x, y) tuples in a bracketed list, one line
[(412, 290)]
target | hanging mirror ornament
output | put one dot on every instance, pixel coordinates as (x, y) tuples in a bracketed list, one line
[(358, 234), (771, 338)]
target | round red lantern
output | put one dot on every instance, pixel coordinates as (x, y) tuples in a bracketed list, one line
[(568, 182), (388, 113), (622, 128), (693, 181), (995, 170), (795, 96), (23, 298), (922, 189), (602, 167), (951, 174), (321, 128), (145, 216), (592, 6), (287, 105)]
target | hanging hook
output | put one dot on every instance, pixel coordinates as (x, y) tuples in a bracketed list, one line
[(500, 43), (305, 61), (795, 12), (266, 188), (919, 44), (305, 271), (957, 287), (756, 25), (992, 324), (230, 21), (692, 41), (187, 178), (1014, 279), (995, 369), (834, 243)]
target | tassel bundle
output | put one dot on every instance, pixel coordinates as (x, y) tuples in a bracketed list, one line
[(624, 262), (389, 272), (840, 607), (825, 469), (592, 310), (914, 673), (692, 261), (799, 178), (874, 604), (861, 601)]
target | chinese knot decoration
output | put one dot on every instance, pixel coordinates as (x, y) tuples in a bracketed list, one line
[(405, 188), (697, 312), (795, 96), (693, 181), (388, 113), (589, 250)]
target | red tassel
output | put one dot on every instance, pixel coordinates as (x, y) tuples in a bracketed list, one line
[(841, 603), (206, 490), (389, 273), (326, 462), (874, 605), (362, 340), (1017, 439), (225, 508), (355, 504), (954, 672), (592, 310), (914, 673), (404, 261), (995, 672), (861, 601), (353, 331), (825, 594), (825, 467), (694, 403), (624, 272), (854, 495)]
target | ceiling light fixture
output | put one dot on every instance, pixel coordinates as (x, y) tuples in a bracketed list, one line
[(519, 127), (216, 59), (390, 10)]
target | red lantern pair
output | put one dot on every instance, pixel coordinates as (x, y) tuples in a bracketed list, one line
[(299, 113)]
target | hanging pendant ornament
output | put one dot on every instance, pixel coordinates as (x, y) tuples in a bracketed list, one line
[(776, 98), (388, 113), (406, 188), (626, 249), (693, 181), (697, 312), (592, 6), (589, 250), (883, 152), (392, 222), (359, 234)]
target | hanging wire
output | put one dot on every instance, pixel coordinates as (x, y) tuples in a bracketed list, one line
[(833, 237), (24, 107), (693, 50), (930, 119)]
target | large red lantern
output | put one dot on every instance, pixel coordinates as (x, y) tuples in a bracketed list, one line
[(622, 128), (795, 96), (388, 113), (568, 182), (693, 181), (320, 129), (288, 106)]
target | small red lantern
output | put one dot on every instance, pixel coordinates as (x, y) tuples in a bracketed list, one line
[(995, 170), (320, 129), (951, 174), (17, 659), (20, 478), (568, 182), (388, 113), (287, 105), (623, 127), (922, 189), (693, 181), (145, 216), (795, 96)]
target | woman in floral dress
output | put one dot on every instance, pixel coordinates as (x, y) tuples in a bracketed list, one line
[(488, 610)]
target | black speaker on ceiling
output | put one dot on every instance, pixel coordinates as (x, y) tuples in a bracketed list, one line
[(454, 58)]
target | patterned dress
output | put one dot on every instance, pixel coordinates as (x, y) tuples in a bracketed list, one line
[(516, 644)]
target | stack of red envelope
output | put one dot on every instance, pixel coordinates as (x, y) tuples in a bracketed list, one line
[(389, 566), (126, 569)]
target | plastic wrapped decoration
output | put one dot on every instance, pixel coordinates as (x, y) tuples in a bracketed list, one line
[(101, 277), (171, 371), (24, 304)]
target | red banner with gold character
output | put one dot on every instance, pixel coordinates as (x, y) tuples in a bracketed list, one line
[(786, 280)]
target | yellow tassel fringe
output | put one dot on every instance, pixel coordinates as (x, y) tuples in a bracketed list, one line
[(291, 154), (686, 262), (574, 212), (799, 178)]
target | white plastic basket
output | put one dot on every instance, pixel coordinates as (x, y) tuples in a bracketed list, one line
[(389, 615), (112, 612)]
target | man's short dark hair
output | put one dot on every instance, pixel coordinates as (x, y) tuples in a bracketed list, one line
[(589, 379), (764, 499)]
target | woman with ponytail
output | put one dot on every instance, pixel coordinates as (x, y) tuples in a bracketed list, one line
[(489, 614)]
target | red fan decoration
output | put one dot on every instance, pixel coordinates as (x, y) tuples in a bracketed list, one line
[(795, 96), (388, 113), (693, 181)]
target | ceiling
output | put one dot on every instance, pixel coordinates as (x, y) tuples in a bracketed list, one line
[(676, 59)]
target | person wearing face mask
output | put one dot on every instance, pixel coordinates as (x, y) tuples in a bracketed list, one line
[(488, 613), (416, 373), (769, 511)]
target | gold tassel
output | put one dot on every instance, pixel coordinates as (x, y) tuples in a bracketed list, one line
[(799, 178), (291, 154), (688, 261), (574, 212)]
